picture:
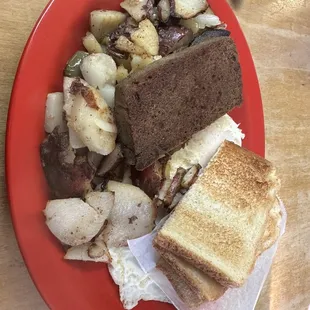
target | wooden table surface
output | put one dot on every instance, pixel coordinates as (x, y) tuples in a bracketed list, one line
[(278, 32)]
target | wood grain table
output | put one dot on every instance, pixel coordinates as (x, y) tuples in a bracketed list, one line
[(278, 32)]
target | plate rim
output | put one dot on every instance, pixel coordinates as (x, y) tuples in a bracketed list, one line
[(259, 119), (9, 123)]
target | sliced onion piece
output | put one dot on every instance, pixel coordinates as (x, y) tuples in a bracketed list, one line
[(69, 97), (177, 198), (207, 20), (106, 126), (163, 8), (75, 141), (127, 176), (89, 251), (175, 186), (164, 189), (90, 116), (111, 161), (190, 177), (108, 94), (94, 159), (54, 112)]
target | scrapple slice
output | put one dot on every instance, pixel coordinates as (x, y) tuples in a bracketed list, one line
[(163, 105)]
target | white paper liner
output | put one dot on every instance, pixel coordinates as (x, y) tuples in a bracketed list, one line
[(243, 298)]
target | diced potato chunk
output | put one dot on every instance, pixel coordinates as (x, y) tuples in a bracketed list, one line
[(146, 37)]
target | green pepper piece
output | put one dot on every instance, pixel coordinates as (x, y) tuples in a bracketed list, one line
[(72, 68)]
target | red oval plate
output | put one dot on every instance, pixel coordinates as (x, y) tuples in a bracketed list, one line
[(56, 36)]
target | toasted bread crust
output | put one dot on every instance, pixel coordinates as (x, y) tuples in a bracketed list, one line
[(185, 292), (247, 173), (203, 285), (225, 214), (173, 247)]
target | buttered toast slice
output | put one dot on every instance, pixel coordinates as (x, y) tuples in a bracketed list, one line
[(204, 286), (186, 293), (219, 225)]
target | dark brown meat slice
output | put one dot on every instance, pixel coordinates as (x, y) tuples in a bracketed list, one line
[(162, 106), (210, 33), (150, 179), (172, 38), (67, 174)]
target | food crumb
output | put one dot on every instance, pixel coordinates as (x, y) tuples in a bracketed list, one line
[(132, 219)]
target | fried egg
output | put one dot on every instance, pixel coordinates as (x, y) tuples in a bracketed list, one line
[(134, 284), (203, 145)]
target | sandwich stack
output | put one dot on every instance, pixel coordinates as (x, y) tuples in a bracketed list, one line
[(226, 220)]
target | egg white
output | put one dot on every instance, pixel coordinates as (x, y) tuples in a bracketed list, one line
[(134, 284)]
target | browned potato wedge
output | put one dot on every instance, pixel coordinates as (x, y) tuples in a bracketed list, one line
[(187, 9), (74, 222), (139, 62), (125, 45), (126, 63), (146, 37), (103, 22), (102, 202), (87, 112), (91, 44), (121, 73), (125, 29), (191, 24), (132, 216), (138, 9)]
